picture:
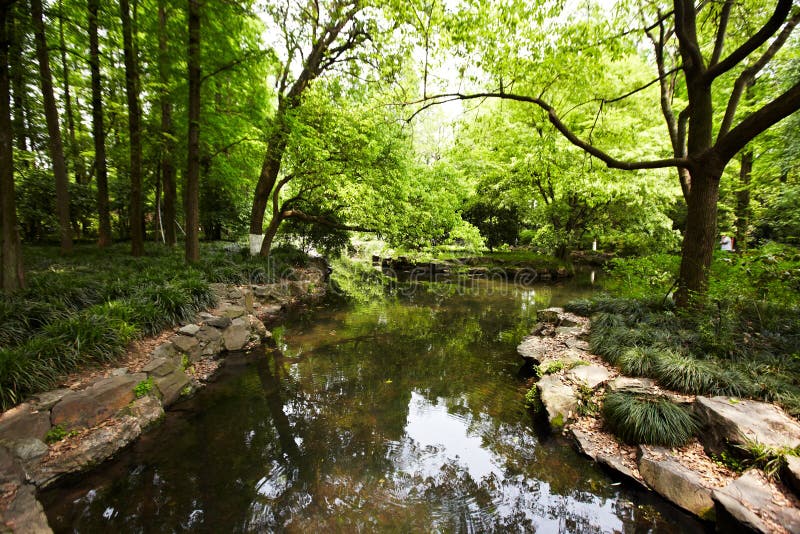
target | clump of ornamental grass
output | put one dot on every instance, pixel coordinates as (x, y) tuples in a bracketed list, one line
[(643, 418), (685, 373), (639, 360)]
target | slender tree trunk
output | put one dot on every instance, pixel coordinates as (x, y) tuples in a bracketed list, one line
[(11, 273), (700, 238), (17, 78), (72, 145), (101, 170), (193, 149), (269, 174), (167, 134), (134, 128), (269, 234), (743, 201), (53, 128)]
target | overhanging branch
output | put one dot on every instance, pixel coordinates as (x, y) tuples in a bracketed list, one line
[(554, 119)]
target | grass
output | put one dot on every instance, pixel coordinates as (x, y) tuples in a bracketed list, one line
[(85, 309), (744, 341), (641, 418)]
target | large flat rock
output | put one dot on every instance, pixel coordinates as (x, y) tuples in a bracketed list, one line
[(236, 335), (24, 421), (96, 403), (171, 386), (615, 462), (90, 450), (590, 375), (675, 482), (732, 422), (558, 398), (752, 504)]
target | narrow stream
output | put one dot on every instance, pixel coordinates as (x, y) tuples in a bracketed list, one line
[(399, 415)]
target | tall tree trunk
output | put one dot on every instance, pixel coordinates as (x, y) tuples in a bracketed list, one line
[(193, 149), (72, 145), (11, 273), (270, 233), (743, 200), (101, 170), (700, 238), (134, 129), (167, 134), (15, 35), (53, 128)]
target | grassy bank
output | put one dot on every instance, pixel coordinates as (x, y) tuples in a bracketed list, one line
[(85, 309), (743, 342)]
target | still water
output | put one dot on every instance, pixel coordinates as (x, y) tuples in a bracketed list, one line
[(402, 414)]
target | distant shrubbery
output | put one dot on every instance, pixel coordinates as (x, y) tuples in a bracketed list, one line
[(87, 308)]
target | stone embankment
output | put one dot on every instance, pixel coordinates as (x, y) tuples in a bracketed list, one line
[(571, 388), (472, 267), (67, 431)]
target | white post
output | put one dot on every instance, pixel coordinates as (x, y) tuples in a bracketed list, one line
[(594, 245)]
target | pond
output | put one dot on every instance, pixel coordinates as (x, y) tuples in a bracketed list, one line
[(402, 413)]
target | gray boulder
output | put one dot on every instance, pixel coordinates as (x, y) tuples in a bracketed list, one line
[(171, 386), (219, 322), (165, 350), (23, 513), (591, 375), (586, 445), (731, 422), (533, 348), (236, 335), (748, 504), (558, 398), (189, 330), (98, 402), (187, 345), (674, 482), (27, 449)]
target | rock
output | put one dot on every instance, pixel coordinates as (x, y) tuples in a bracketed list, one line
[(171, 386), (92, 448), (614, 462), (210, 333), (591, 375), (257, 328), (231, 311), (236, 335), (791, 473), (165, 350), (549, 315), (271, 309), (577, 344), (100, 401), (189, 330), (626, 382), (146, 410), (248, 300), (24, 421), (219, 322), (260, 291), (533, 348), (45, 401), (119, 371), (205, 316), (27, 449), (558, 398), (570, 331), (674, 482), (187, 345), (731, 422), (158, 367), (737, 503), (212, 348), (23, 513)]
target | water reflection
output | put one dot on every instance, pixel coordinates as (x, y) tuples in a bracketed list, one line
[(403, 415)]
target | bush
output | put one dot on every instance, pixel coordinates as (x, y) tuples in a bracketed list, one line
[(641, 418)]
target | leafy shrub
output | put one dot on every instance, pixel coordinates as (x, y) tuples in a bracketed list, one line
[(143, 388), (639, 361), (685, 373), (641, 418)]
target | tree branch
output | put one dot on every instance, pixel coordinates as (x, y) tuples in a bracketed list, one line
[(552, 116), (719, 43), (782, 10), (757, 122), (747, 77)]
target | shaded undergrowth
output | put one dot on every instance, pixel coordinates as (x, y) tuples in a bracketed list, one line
[(753, 354), (85, 309)]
